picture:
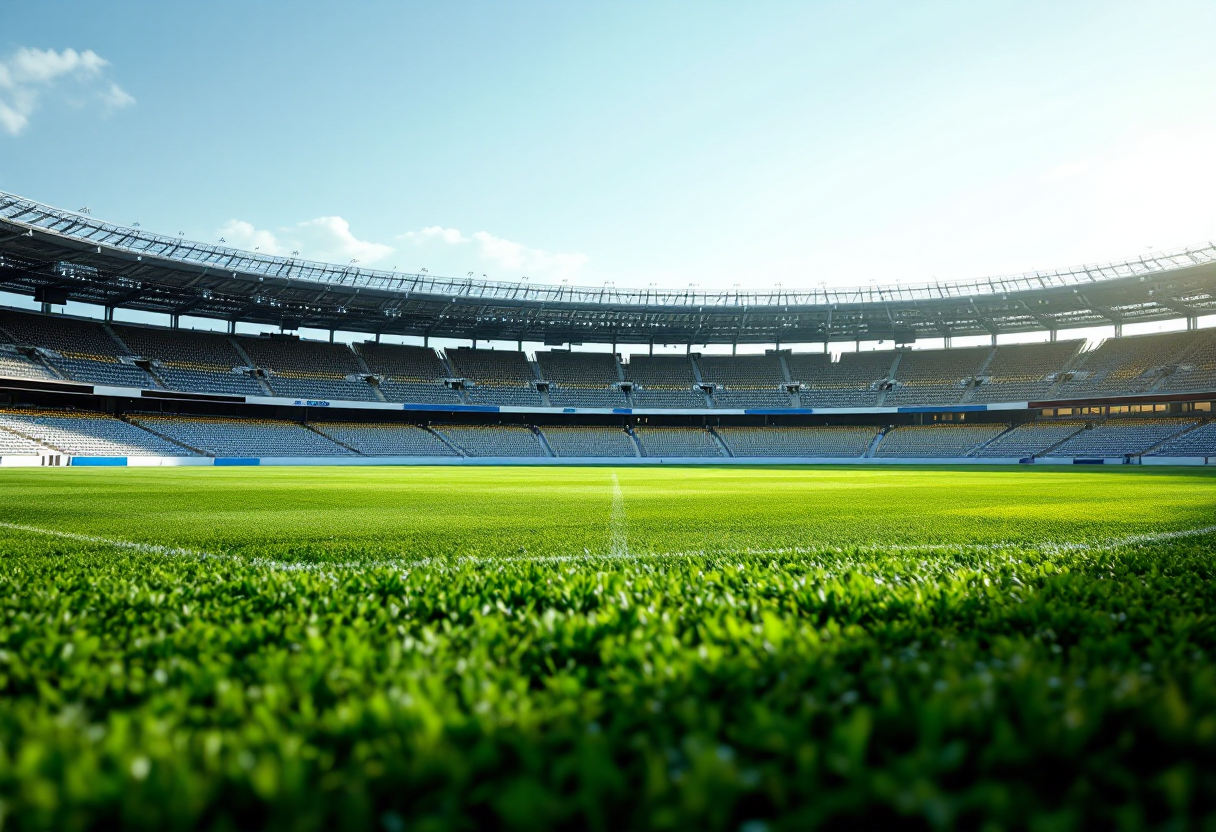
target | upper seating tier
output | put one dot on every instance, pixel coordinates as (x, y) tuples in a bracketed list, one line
[(850, 382), (90, 351)]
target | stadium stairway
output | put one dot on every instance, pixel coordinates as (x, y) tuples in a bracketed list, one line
[(37, 358), (39, 361), (637, 445), (969, 393), (463, 394), (541, 438), (878, 437), (1158, 384), (976, 450), (696, 375), (12, 431), (167, 438), (1149, 450), (367, 371), (261, 382), (123, 349), (308, 426), (1047, 451), (722, 446), (882, 394), (795, 398), (785, 368), (1054, 390), (545, 401), (696, 369), (456, 449)]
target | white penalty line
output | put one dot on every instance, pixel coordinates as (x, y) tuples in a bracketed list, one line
[(1050, 547), (199, 554)]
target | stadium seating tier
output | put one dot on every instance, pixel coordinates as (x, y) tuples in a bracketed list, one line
[(39, 346), (82, 433), (224, 437), (589, 442), (811, 442)]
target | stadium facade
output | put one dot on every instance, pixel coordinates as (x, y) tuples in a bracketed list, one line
[(90, 391)]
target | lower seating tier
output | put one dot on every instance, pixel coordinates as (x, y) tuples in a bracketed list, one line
[(677, 442), (821, 442), (1121, 437), (1198, 442), (385, 440), (1029, 440), (242, 437), (493, 440), (589, 442), (80, 433), (941, 441), (30, 431)]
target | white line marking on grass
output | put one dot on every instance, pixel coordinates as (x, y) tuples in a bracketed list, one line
[(618, 544), (178, 551), (1047, 547), (146, 548), (617, 527)]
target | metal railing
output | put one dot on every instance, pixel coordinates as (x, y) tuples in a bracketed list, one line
[(24, 213)]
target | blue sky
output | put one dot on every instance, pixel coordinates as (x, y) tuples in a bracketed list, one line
[(669, 143)]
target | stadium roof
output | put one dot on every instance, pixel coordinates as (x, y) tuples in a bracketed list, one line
[(45, 249)]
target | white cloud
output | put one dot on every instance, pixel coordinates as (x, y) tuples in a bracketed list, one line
[(326, 239), (455, 252), (28, 74), (330, 239), (443, 251), (242, 235), (115, 98), (451, 236)]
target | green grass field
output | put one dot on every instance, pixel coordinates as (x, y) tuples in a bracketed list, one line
[(685, 648)]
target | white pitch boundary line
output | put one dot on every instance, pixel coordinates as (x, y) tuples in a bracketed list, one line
[(1046, 546), (618, 543), (177, 551)]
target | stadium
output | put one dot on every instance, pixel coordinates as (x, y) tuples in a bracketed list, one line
[(293, 539), (83, 392)]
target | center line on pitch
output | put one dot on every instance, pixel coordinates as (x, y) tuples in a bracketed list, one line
[(618, 544)]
